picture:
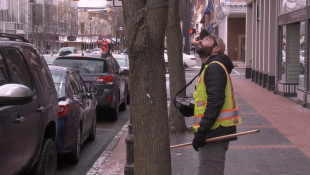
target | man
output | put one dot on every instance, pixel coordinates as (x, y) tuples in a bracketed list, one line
[(216, 111)]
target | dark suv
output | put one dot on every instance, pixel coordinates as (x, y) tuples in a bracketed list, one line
[(28, 109), (102, 72)]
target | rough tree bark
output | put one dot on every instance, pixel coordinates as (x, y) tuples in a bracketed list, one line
[(145, 23), (175, 63)]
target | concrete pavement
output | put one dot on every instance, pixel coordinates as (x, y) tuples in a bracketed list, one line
[(282, 147)]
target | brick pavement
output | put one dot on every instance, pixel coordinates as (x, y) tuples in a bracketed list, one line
[(281, 148)]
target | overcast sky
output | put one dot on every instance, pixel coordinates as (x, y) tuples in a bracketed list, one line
[(92, 3)]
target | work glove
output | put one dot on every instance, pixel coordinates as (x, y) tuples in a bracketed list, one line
[(199, 140)]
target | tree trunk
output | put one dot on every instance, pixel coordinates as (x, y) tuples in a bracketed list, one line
[(175, 63), (145, 24)]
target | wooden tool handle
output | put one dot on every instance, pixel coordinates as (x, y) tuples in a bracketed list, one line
[(218, 138)]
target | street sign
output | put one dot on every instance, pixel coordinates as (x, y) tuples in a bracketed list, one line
[(71, 38), (117, 3)]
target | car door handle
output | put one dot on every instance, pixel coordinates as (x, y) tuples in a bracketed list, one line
[(19, 119), (81, 104), (40, 108)]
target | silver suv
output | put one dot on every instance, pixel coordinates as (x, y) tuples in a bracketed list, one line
[(28, 109)]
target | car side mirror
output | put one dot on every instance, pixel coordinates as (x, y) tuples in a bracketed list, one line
[(93, 90), (15, 94)]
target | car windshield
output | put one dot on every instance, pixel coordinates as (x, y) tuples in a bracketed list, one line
[(49, 59), (96, 49), (82, 65), (59, 81), (121, 62)]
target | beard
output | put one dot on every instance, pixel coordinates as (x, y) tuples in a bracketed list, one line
[(204, 51)]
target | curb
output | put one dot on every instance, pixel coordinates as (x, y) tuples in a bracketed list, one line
[(107, 152)]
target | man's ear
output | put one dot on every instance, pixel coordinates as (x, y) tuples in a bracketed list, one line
[(217, 49)]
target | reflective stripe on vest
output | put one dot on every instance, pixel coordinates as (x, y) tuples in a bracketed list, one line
[(229, 114)]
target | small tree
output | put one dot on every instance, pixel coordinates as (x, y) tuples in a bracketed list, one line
[(145, 23), (175, 63)]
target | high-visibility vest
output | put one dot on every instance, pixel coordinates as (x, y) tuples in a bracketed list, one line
[(229, 114)]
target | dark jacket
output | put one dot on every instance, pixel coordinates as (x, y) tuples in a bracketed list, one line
[(215, 80)]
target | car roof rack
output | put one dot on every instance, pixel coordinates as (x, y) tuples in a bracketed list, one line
[(13, 37)]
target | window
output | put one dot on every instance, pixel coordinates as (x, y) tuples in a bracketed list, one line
[(17, 67), (3, 72), (80, 82), (286, 6), (302, 56), (82, 66), (76, 87), (282, 56), (39, 68)]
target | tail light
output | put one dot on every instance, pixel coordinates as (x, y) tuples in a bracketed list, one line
[(63, 110), (109, 98), (108, 79), (193, 58)]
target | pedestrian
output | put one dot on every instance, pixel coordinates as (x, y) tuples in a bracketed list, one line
[(216, 110)]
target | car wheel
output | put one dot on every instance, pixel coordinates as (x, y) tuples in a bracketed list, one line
[(75, 155), (128, 99), (92, 134), (123, 105), (47, 163), (115, 111)]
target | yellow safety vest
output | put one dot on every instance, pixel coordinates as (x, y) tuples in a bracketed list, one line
[(229, 114)]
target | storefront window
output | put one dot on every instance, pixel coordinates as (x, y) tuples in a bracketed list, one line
[(282, 62), (286, 6), (292, 61), (302, 56)]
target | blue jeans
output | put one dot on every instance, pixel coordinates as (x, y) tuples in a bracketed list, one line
[(212, 158)]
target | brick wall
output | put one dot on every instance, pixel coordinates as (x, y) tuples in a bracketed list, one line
[(236, 28)]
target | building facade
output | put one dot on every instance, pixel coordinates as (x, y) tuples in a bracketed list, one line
[(43, 22), (227, 19), (277, 42)]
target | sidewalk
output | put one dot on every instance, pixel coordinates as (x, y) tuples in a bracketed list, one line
[(282, 147)]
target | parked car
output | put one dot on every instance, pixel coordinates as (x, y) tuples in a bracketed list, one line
[(50, 58), (28, 109), (66, 50), (77, 112), (188, 61), (97, 51), (103, 73), (123, 62)]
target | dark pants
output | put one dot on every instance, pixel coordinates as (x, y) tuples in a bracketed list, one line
[(212, 158)]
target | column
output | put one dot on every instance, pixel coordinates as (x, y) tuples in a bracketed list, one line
[(272, 45), (265, 42), (261, 24), (249, 41)]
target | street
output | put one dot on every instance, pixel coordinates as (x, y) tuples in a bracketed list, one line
[(106, 131)]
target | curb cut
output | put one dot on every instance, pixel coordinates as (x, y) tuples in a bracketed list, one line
[(107, 152)]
